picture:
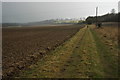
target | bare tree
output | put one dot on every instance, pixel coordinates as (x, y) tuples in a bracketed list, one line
[(113, 11)]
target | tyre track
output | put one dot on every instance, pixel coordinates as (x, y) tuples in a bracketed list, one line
[(79, 57), (84, 60)]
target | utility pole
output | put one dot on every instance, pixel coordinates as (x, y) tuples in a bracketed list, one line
[(96, 16)]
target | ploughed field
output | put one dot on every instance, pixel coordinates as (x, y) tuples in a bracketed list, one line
[(23, 46)]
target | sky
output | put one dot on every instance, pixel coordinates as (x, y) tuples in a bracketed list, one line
[(22, 12), (0, 13), (59, 0)]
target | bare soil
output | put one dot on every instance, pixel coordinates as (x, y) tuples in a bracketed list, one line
[(23, 46)]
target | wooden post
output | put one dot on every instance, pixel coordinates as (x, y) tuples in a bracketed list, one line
[(96, 16)]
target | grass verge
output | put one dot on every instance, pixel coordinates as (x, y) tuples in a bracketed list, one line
[(109, 61)]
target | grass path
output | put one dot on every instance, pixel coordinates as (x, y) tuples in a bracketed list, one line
[(83, 56)]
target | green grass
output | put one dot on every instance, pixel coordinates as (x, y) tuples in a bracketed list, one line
[(91, 64)]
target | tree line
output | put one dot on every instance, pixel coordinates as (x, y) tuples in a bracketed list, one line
[(110, 17)]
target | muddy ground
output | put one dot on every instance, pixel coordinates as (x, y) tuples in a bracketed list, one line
[(23, 46)]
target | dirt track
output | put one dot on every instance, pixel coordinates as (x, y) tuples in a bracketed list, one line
[(85, 55)]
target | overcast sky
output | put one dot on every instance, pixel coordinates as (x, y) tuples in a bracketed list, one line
[(22, 12)]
